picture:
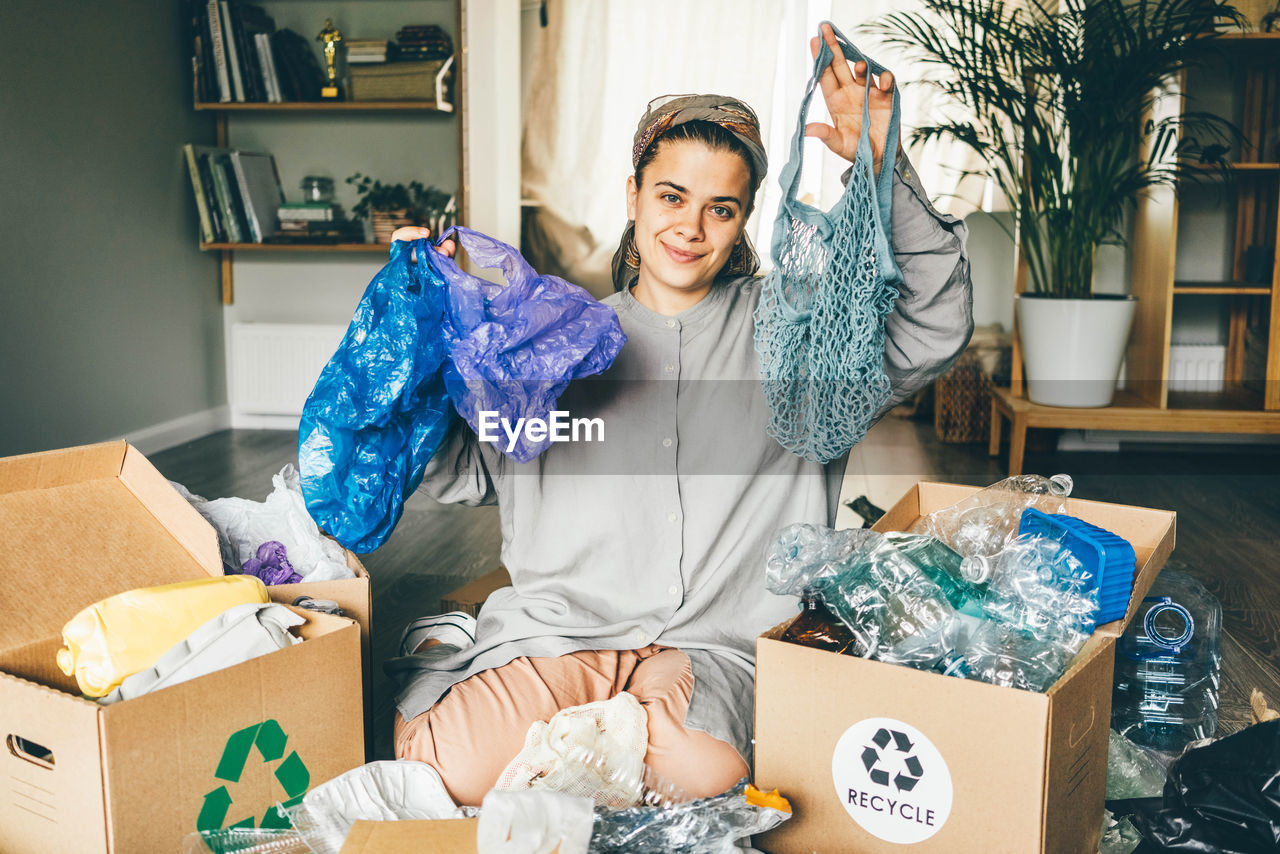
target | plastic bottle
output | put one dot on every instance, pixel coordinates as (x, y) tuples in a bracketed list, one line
[(1037, 585), (1167, 666), (818, 628), (984, 522), (943, 566)]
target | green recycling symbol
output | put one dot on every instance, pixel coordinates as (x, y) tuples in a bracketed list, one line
[(291, 773)]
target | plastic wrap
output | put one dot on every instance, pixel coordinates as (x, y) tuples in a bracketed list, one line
[(983, 523), (534, 822), (1131, 771), (1119, 836), (514, 349), (706, 826), (379, 409)]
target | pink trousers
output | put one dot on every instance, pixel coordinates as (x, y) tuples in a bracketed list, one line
[(479, 726)]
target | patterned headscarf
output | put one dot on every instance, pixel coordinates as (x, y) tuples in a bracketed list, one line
[(669, 111)]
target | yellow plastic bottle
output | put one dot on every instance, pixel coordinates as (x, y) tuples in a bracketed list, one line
[(115, 638)]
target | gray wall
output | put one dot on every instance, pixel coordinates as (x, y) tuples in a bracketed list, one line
[(110, 319)]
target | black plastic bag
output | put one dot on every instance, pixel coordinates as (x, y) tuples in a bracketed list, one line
[(1223, 798)]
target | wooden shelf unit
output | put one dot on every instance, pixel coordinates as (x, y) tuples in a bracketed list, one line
[(1248, 404), (427, 108)]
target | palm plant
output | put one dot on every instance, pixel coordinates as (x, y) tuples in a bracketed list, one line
[(1056, 98)]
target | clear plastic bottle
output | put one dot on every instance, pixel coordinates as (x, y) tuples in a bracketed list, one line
[(1037, 585), (984, 522), (943, 565), (1167, 666)]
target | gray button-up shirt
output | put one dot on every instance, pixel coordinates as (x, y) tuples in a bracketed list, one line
[(658, 533)]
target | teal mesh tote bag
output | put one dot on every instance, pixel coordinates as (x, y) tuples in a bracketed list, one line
[(820, 321)]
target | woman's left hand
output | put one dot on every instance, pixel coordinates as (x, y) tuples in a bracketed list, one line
[(844, 89)]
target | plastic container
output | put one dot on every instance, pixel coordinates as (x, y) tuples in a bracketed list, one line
[(1108, 557), (1167, 666)]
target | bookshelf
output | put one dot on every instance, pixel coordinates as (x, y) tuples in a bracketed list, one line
[(284, 122), (1175, 230)]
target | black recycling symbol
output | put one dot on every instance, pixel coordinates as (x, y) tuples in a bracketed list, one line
[(874, 754)]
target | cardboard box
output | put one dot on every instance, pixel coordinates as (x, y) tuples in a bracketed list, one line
[(455, 836), (84, 523), (963, 766), (470, 596), (355, 597)]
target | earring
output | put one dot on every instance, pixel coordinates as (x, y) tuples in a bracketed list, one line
[(631, 255)]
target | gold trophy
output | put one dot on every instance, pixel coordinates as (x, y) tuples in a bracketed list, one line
[(331, 37)]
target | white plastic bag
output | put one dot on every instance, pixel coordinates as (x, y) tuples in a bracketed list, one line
[(244, 525)]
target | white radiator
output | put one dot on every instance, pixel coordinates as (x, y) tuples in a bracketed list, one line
[(1197, 367), (275, 365)]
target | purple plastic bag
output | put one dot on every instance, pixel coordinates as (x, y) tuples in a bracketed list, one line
[(513, 349), (271, 564)]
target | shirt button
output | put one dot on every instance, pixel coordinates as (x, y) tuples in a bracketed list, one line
[(673, 517), (640, 637), (671, 324), (673, 590), (671, 369), (666, 443)]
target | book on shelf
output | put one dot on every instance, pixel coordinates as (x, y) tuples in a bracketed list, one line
[(237, 193), (308, 212), (213, 12), (260, 192), (238, 55)]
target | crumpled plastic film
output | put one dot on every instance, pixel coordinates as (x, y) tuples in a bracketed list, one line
[(1131, 771), (513, 349), (123, 634), (379, 409), (1118, 836), (387, 790), (533, 822), (237, 634), (243, 527), (705, 826)]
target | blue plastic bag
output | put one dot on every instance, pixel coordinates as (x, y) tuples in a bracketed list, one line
[(513, 349), (379, 409)]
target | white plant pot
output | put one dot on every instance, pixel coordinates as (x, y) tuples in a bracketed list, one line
[(1072, 348)]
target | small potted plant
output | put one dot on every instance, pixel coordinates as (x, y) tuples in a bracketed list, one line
[(390, 206)]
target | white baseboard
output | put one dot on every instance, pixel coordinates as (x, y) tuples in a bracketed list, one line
[(247, 421), (160, 437)]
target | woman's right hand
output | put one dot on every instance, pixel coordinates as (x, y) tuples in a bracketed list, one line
[(410, 233)]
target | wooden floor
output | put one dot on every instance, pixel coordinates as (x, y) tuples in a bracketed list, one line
[(1227, 499)]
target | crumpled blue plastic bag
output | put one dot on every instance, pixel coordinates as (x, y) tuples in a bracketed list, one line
[(514, 348), (379, 409)]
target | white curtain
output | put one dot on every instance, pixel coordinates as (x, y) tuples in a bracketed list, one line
[(599, 62)]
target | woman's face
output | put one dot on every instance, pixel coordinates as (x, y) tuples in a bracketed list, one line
[(688, 214)]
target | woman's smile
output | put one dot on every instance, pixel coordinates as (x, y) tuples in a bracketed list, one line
[(679, 255)]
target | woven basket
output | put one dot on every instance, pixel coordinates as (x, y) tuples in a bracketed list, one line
[(395, 81), (962, 399)]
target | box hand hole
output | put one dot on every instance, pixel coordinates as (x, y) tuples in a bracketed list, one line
[(29, 751), (1078, 733)]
